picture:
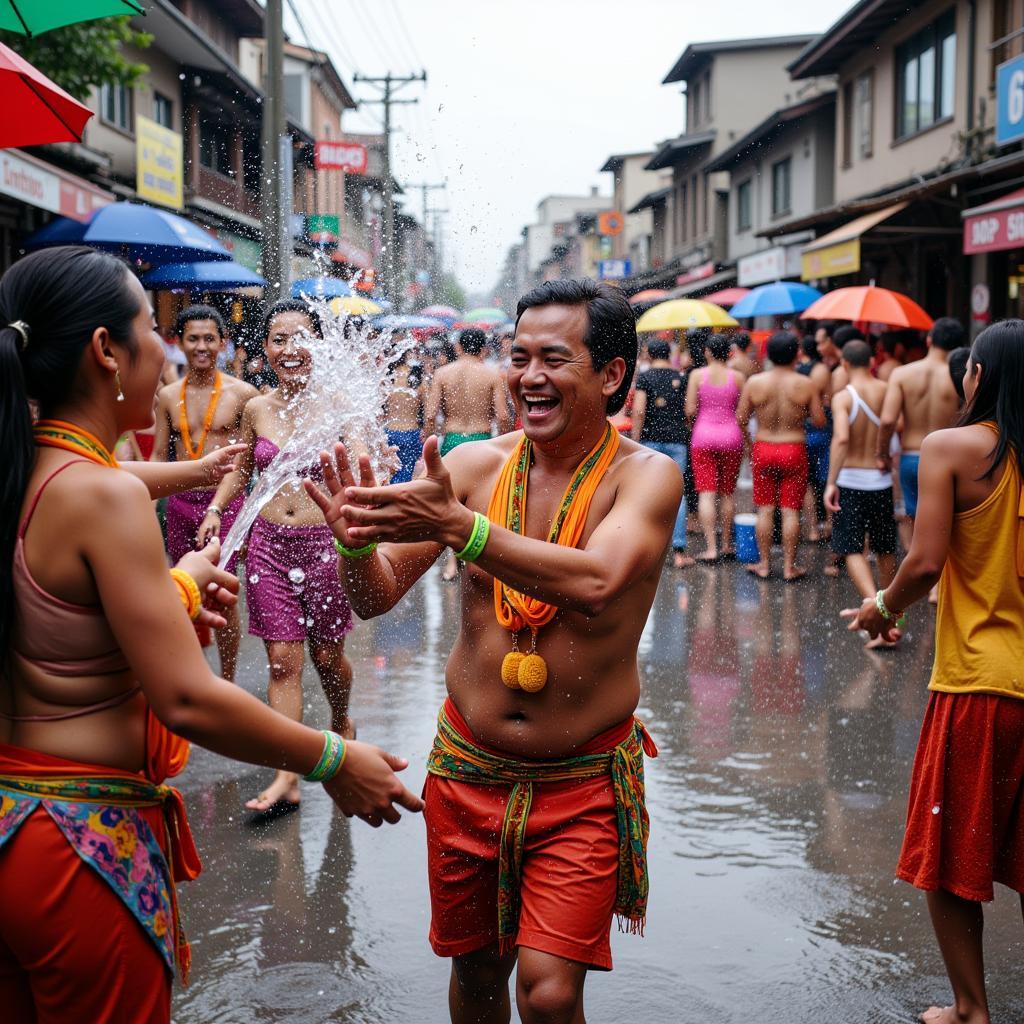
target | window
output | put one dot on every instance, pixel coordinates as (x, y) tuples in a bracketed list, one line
[(695, 106), (116, 106), (163, 110), (743, 191), (926, 77), (707, 97), (847, 124), (215, 144), (781, 187), (864, 114), (694, 201)]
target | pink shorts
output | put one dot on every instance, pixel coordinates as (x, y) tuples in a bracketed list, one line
[(780, 474), (185, 513), (715, 469), (293, 591)]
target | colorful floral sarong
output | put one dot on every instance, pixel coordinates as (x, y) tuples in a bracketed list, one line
[(455, 757), (102, 813)]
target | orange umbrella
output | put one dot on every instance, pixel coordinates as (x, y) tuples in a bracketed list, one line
[(869, 304)]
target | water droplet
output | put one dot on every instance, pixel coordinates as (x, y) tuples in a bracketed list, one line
[(936, 809), (326, 555), (297, 575), (301, 621), (254, 578)]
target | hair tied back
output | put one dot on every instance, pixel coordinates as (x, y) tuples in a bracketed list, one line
[(23, 330)]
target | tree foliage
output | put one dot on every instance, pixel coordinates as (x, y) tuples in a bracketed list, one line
[(81, 56)]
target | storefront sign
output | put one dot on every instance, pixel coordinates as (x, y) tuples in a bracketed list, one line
[(341, 156), (243, 250), (993, 231), (319, 223), (980, 301), (609, 270), (31, 181), (697, 274), (1010, 101), (781, 261), (610, 223), (832, 261), (159, 164)]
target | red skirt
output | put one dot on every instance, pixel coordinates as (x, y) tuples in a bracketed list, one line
[(965, 822)]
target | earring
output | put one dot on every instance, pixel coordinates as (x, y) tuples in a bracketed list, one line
[(117, 384)]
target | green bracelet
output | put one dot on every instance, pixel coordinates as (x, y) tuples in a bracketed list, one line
[(477, 539), (886, 614), (331, 758), (354, 552)]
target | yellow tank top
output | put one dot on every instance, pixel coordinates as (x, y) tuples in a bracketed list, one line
[(979, 627)]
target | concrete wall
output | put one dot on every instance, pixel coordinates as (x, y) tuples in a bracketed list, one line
[(120, 145), (809, 144), (632, 183), (892, 161), (555, 210)]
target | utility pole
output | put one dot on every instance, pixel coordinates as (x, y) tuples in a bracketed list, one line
[(438, 234), (276, 219), (424, 189), (388, 85)]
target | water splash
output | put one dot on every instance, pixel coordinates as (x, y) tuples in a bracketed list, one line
[(343, 400)]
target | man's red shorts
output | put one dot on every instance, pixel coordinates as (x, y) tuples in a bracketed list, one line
[(780, 474), (570, 862), (965, 818)]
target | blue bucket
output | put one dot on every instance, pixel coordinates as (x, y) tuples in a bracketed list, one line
[(746, 538)]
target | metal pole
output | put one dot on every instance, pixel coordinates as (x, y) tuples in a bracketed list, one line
[(390, 262), (276, 262)]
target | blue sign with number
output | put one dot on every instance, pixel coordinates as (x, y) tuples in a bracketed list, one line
[(1010, 101), (613, 270)]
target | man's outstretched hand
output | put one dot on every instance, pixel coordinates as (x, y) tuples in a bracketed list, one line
[(338, 476)]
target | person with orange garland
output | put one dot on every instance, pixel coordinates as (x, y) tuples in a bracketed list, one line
[(536, 825), (965, 820), (199, 414), (103, 682)]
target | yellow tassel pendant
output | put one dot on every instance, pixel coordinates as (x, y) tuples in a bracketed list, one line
[(533, 673), (510, 669)]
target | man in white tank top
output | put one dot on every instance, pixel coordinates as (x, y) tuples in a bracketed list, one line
[(858, 493)]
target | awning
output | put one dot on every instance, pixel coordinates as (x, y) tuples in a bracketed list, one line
[(996, 226), (711, 281), (838, 252), (670, 152), (652, 199), (351, 254), (33, 181)]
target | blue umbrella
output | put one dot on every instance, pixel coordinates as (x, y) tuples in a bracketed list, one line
[(320, 288), (401, 322), (776, 299), (137, 232), (210, 275)]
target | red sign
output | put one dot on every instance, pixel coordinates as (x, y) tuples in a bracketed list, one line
[(610, 223), (341, 156), (996, 230)]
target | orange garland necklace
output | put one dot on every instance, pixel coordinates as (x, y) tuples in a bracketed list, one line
[(71, 438), (211, 408), (513, 610)]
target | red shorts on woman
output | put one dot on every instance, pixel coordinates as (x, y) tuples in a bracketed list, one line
[(965, 822), (715, 470), (780, 473)]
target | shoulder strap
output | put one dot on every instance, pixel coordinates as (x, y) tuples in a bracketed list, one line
[(861, 404), (39, 493)]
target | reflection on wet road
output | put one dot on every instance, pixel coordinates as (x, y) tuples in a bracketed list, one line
[(777, 810)]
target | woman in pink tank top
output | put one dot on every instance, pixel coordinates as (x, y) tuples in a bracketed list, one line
[(103, 679), (716, 445)]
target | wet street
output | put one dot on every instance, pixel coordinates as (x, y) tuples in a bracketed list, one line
[(777, 807)]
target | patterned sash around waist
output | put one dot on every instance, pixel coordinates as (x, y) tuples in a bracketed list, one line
[(455, 757)]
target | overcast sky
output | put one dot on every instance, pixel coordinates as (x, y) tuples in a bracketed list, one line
[(525, 98)]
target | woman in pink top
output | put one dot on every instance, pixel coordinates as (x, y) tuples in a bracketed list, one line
[(716, 444)]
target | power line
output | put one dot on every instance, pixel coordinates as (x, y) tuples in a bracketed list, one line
[(335, 42)]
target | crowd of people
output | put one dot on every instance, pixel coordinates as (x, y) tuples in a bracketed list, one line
[(558, 474)]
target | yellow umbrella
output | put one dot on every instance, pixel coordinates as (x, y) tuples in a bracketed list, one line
[(683, 314), (355, 305)]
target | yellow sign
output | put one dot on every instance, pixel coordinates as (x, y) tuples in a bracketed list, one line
[(832, 261), (159, 164)]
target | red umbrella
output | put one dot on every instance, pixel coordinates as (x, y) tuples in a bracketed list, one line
[(648, 295), (727, 296), (33, 110), (869, 304)]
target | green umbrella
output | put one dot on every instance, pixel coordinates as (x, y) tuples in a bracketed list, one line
[(33, 17)]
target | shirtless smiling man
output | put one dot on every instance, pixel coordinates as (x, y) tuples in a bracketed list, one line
[(782, 400), (201, 413), (539, 891), (468, 395)]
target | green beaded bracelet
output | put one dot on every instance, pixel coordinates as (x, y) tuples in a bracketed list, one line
[(477, 539), (354, 552), (331, 758), (900, 622)]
